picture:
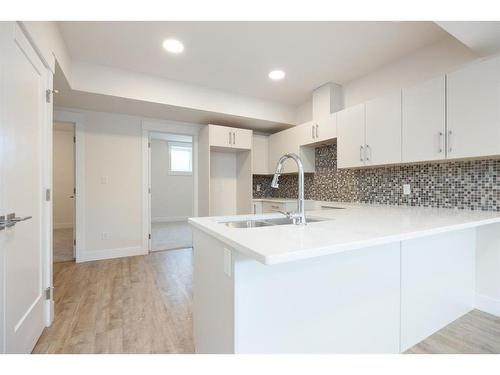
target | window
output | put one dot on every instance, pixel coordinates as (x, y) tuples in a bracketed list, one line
[(181, 158)]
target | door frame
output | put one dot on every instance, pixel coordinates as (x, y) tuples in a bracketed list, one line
[(171, 127), (63, 115)]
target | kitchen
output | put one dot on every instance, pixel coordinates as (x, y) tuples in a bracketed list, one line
[(253, 187)]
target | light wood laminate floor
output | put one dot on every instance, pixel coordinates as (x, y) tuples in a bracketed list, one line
[(474, 333), (143, 305), (130, 305), (63, 245)]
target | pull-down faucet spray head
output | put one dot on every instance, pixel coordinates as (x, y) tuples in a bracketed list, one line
[(276, 177)]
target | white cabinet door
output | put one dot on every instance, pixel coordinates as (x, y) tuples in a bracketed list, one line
[(326, 128), (351, 137), (473, 110), (306, 133), (383, 130), (23, 111), (220, 136), (242, 139), (424, 121), (260, 154), (281, 143)]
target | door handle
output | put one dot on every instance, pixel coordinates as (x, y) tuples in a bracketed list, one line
[(71, 196), (367, 149), (312, 131), (229, 137), (361, 153), (317, 133), (11, 219), (440, 142), (234, 138)]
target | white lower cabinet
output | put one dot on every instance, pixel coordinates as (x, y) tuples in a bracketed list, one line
[(424, 121), (473, 110)]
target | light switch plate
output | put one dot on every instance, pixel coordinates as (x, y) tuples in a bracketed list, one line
[(406, 189), (104, 180), (227, 262)]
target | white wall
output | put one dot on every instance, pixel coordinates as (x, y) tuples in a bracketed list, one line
[(171, 195), (223, 183), (423, 64), (113, 208), (63, 177)]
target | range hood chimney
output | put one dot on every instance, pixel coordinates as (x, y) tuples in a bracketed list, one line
[(327, 99)]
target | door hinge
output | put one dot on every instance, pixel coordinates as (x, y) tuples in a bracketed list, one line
[(47, 194), (74, 190), (149, 190), (149, 144), (149, 236), (74, 242), (48, 94), (49, 295), (74, 139)]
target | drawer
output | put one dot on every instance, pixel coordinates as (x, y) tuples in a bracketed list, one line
[(273, 207)]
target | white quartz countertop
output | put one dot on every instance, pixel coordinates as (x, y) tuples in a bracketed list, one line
[(278, 200), (353, 227)]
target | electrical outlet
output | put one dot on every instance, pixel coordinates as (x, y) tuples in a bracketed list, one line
[(406, 189), (258, 187), (104, 236), (104, 180)]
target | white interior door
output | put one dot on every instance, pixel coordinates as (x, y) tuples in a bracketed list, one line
[(22, 112)]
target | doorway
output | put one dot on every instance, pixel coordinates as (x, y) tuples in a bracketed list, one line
[(64, 192), (171, 190)]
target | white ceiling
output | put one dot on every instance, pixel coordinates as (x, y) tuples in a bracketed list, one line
[(237, 56)]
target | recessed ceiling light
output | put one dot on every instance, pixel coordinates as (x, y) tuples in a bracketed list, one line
[(173, 45), (276, 75)]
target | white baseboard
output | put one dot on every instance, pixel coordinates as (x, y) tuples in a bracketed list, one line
[(168, 219), (87, 256), (488, 304), (63, 225)]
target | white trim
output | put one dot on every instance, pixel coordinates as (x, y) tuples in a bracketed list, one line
[(63, 225), (488, 304), (164, 127), (123, 252), (79, 120), (168, 219)]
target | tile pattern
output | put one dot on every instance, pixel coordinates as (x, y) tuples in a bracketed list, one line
[(471, 184)]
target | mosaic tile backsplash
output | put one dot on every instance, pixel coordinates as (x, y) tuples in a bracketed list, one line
[(466, 184)]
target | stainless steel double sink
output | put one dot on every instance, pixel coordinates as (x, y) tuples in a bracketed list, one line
[(264, 222)]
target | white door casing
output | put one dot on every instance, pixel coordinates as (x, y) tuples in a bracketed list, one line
[(23, 128)]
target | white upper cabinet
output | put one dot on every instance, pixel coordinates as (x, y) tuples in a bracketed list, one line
[(424, 121), (227, 137), (290, 141), (260, 154), (319, 131), (351, 137), (383, 130), (473, 110), (242, 139)]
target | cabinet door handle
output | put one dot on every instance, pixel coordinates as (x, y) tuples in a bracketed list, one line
[(361, 153), (367, 149), (317, 133), (449, 141), (234, 138), (229, 137), (440, 142), (312, 131)]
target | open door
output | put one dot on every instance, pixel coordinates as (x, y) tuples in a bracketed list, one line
[(23, 109)]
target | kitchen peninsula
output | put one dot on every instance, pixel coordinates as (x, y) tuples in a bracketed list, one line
[(357, 278)]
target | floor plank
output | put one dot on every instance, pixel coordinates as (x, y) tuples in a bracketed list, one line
[(129, 305)]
